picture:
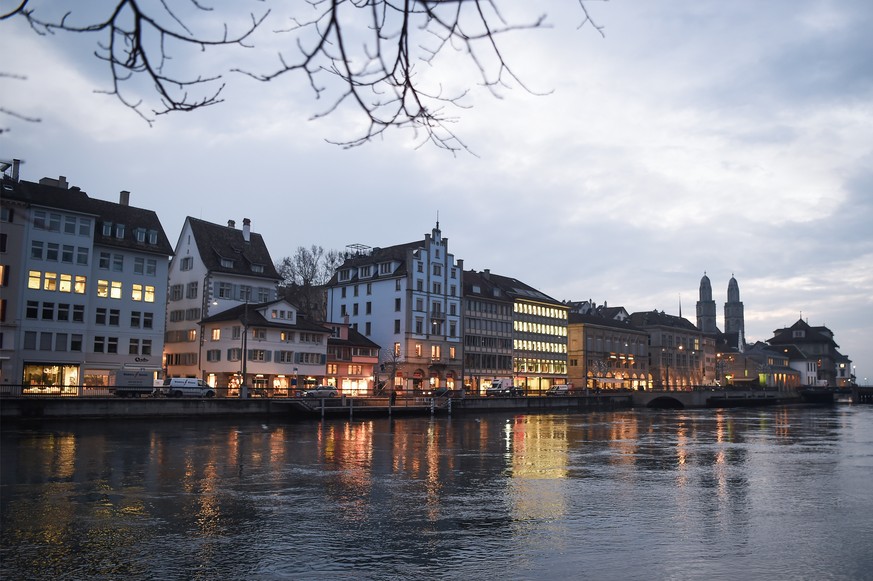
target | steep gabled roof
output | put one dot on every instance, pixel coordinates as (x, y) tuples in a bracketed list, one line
[(250, 315), (215, 242), (397, 253), (809, 335), (356, 339), (75, 200)]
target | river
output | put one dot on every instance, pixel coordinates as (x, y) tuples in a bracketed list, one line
[(771, 493)]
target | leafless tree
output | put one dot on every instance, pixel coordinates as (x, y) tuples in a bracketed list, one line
[(304, 275), (364, 53)]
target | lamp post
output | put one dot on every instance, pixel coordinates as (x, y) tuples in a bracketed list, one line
[(243, 388)]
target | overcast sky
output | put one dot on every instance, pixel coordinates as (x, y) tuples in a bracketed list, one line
[(732, 138)]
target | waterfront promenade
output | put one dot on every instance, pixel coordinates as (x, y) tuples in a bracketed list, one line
[(107, 407)]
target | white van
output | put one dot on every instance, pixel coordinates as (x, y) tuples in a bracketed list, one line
[(185, 387)]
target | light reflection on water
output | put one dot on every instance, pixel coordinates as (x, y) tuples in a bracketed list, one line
[(781, 493)]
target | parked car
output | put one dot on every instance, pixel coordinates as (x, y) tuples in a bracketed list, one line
[(321, 391), (503, 387), (185, 387), (557, 390)]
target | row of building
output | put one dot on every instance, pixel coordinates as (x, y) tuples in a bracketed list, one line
[(90, 287)]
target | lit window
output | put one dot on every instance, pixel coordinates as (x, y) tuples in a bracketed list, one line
[(149, 294), (79, 287), (136, 292), (50, 282), (115, 290), (66, 283), (34, 279)]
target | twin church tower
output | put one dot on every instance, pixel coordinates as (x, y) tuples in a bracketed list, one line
[(733, 311)]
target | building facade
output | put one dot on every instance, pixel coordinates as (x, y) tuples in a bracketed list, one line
[(605, 351), (817, 346), (214, 269), (675, 350), (84, 287), (266, 347), (351, 361), (488, 332), (407, 299)]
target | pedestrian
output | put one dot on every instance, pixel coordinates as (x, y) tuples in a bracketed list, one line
[(393, 397)]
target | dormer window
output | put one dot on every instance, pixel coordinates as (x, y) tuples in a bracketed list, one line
[(385, 268), (119, 231), (226, 263), (140, 234), (798, 334), (257, 268), (107, 229), (345, 274), (365, 271), (153, 236)]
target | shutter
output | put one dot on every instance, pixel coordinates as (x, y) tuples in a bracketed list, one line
[(267, 356)]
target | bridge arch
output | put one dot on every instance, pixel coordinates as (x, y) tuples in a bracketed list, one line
[(665, 402)]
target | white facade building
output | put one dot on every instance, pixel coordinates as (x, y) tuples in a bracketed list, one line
[(214, 269), (283, 351), (407, 299), (88, 287)]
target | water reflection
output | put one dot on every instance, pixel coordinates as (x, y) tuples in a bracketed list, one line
[(616, 495)]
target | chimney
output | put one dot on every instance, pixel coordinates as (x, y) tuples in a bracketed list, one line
[(16, 164), (486, 274), (247, 225), (124, 198), (231, 224)]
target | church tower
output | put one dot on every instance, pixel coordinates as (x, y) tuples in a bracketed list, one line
[(706, 307), (733, 310)]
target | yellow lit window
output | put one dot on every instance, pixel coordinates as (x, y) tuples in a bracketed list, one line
[(149, 294), (80, 285), (216, 334), (66, 283), (115, 290), (34, 278), (102, 288), (136, 292), (50, 282)]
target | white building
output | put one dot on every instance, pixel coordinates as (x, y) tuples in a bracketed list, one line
[(84, 287), (407, 299), (214, 269), (283, 350)]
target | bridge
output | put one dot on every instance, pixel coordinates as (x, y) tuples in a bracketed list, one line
[(708, 398)]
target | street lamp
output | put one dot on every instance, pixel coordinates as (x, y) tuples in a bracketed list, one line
[(243, 389)]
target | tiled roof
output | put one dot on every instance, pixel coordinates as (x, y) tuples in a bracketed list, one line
[(397, 253), (811, 335), (249, 315), (356, 339), (513, 288), (75, 200), (660, 319), (602, 321), (215, 242)]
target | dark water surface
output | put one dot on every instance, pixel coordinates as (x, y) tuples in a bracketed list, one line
[(776, 493)]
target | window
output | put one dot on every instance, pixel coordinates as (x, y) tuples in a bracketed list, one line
[(284, 356), (213, 355), (114, 316), (216, 334), (100, 316), (138, 265), (136, 292), (45, 341), (397, 284), (103, 261), (259, 334), (48, 311), (355, 309), (385, 268), (418, 349), (176, 293), (79, 286), (34, 278), (60, 342), (435, 352), (75, 342), (153, 236), (225, 290), (107, 229), (286, 336), (258, 355), (367, 328), (343, 292), (78, 313), (396, 326), (364, 271), (139, 234), (51, 251), (151, 266), (99, 344), (419, 267), (397, 305), (437, 269), (356, 290), (263, 295), (115, 290), (67, 251), (32, 311), (397, 349), (119, 231), (437, 288), (191, 292), (186, 263), (419, 325), (369, 308), (36, 249), (149, 294), (66, 284), (233, 354), (117, 262), (226, 263), (133, 348), (451, 352), (259, 268), (84, 230), (39, 219), (147, 320), (112, 345), (50, 281), (135, 319), (54, 222), (82, 255)]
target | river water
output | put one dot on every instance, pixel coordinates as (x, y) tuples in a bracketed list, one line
[(775, 493)]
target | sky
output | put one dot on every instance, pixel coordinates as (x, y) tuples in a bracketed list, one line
[(693, 136)]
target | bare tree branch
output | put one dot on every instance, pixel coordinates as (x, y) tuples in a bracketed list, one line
[(368, 55)]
